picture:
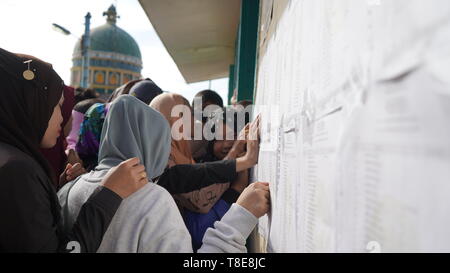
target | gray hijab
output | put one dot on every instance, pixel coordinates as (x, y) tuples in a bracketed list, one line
[(133, 129)]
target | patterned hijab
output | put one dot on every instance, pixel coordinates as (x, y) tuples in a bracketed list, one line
[(90, 132)]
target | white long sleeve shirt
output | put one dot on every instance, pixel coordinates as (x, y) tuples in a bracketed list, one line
[(149, 221)]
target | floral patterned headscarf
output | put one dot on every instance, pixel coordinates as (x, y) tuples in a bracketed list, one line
[(90, 132)]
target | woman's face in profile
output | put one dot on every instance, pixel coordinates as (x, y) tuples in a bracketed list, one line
[(54, 127), (225, 143)]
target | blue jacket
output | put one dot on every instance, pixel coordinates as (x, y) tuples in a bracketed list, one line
[(198, 223)]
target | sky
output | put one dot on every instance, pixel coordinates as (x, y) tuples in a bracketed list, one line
[(26, 27)]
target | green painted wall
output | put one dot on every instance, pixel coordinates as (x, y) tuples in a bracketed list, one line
[(246, 50)]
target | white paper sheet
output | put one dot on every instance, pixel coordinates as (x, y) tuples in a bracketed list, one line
[(355, 102)]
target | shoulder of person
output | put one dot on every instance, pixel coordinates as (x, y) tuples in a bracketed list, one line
[(160, 201), (18, 163), (154, 197), (20, 171), (153, 191)]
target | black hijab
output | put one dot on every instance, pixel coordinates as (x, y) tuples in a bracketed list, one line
[(144, 89), (122, 90), (26, 106)]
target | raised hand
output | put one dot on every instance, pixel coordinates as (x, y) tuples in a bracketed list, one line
[(256, 198), (71, 173), (126, 178)]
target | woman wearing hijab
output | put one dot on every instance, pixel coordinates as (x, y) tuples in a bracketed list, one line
[(76, 165), (30, 118), (56, 155), (78, 112), (90, 130), (84, 99), (149, 220), (225, 120), (122, 90), (145, 90), (89, 137), (197, 187)]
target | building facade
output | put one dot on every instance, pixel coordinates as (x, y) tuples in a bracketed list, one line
[(115, 58)]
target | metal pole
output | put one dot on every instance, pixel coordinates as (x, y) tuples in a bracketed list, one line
[(85, 44)]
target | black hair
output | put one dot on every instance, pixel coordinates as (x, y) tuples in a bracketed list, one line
[(229, 117), (209, 96)]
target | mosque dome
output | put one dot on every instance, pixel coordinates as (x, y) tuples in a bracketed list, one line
[(114, 55)]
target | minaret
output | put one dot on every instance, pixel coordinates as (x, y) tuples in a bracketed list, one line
[(114, 57), (86, 43)]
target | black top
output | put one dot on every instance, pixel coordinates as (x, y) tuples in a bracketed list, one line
[(230, 195), (31, 215), (185, 178)]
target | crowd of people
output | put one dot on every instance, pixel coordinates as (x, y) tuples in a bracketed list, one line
[(122, 175)]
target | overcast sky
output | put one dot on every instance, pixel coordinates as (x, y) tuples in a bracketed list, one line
[(26, 27)]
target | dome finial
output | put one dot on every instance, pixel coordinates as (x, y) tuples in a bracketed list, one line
[(111, 15)]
